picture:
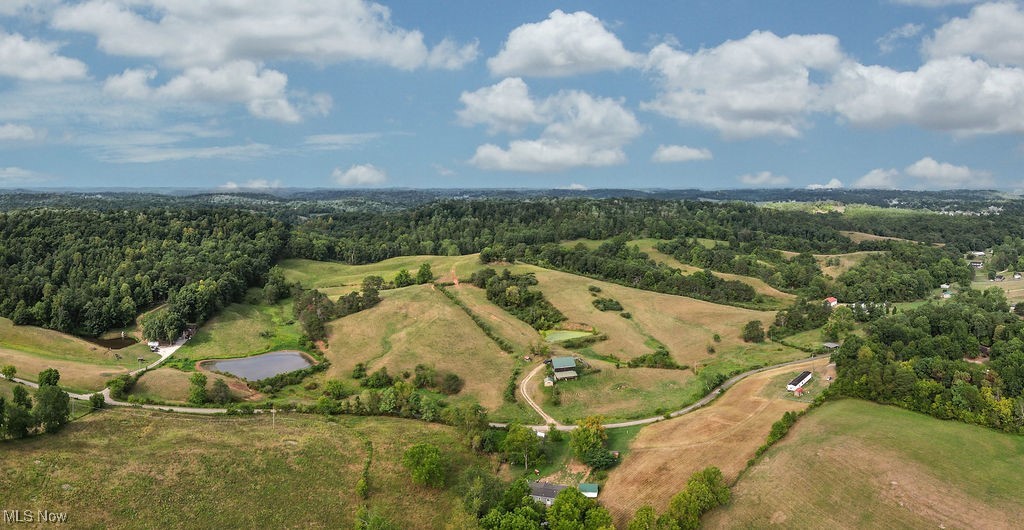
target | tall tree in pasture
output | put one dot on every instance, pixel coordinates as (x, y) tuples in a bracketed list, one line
[(589, 436), (520, 444), (371, 291), (424, 275), (276, 287), (404, 279), (9, 371), (753, 331), (197, 389), (219, 392), (53, 407), (426, 464), (49, 377), (20, 398), (17, 420)]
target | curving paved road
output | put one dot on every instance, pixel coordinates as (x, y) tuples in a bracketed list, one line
[(645, 421)]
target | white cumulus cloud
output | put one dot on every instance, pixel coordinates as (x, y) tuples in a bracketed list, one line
[(360, 175), (760, 85), (993, 31), (255, 184), (564, 44), (878, 179), (944, 175), (763, 178), (887, 43), (580, 130), (503, 107), (36, 60), (680, 153)]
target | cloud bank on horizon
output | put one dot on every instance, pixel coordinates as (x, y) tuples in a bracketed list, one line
[(918, 94)]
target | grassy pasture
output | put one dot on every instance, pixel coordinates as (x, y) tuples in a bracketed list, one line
[(725, 434), (171, 386), (130, 468), (243, 330), (336, 279), (1014, 289), (419, 325), (864, 465), (519, 333)]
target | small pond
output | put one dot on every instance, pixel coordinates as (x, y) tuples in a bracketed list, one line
[(115, 343), (261, 366), (558, 335)]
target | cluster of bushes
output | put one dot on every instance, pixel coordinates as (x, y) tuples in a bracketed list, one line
[(122, 385), (607, 304), (509, 395), (778, 432), (753, 331), (660, 358), (51, 410), (405, 279), (503, 344), (589, 443), (445, 382), (749, 259), (198, 394), (512, 292)]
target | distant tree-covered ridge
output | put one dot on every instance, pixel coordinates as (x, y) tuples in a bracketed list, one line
[(86, 271)]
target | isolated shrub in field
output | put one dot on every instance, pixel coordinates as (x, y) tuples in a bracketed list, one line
[(359, 371), (753, 331), (378, 379), (426, 464), (96, 400), (450, 384), (607, 304)]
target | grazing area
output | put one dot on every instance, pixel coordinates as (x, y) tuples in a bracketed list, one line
[(867, 465), (168, 385), (118, 469), (336, 279), (724, 434), (508, 327), (419, 325), (684, 326), (240, 330)]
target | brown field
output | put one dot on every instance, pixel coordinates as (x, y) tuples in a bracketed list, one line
[(760, 287), (725, 434), (171, 385), (416, 325), (80, 377), (684, 325), (519, 333), (857, 237), (846, 261), (863, 465)]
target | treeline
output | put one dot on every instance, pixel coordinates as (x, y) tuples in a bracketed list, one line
[(84, 271), (617, 262), (313, 309), (916, 360), (512, 292), (748, 259), (504, 229), (22, 416)]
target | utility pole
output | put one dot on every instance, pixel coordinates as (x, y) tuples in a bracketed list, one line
[(273, 417)]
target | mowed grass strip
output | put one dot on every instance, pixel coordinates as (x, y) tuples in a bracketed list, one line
[(419, 325), (855, 464), (127, 469), (243, 330), (336, 279), (725, 433)]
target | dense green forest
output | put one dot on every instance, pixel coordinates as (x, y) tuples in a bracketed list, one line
[(87, 271), (919, 359)]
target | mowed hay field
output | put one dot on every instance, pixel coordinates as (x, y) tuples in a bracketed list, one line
[(620, 394), (686, 326), (336, 279), (172, 386), (519, 333), (725, 433), (419, 325), (83, 366), (855, 464), (125, 468)]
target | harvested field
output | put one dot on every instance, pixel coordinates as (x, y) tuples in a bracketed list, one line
[(726, 433), (864, 465)]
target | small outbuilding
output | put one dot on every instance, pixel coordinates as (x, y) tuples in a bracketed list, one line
[(564, 368), (799, 381), (588, 489), (832, 301), (830, 345), (549, 381), (545, 492), (944, 286)]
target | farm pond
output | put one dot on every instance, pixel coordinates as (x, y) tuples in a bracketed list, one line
[(261, 366)]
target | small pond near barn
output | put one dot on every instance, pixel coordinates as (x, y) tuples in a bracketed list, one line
[(261, 366)]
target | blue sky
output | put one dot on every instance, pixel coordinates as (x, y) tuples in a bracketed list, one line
[(908, 94)]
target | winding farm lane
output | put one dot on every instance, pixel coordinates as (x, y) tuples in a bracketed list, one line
[(645, 421)]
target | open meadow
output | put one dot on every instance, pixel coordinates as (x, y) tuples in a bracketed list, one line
[(725, 433), (855, 464), (84, 366), (419, 325), (170, 385), (336, 279), (244, 329), (128, 468)]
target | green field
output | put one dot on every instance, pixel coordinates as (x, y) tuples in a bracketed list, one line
[(336, 279), (245, 329), (558, 335), (84, 366), (129, 468), (855, 464)]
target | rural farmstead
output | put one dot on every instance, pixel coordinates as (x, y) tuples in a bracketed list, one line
[(564, 368), (799, 381)]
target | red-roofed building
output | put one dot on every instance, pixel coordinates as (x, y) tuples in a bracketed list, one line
[(832, 301)]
